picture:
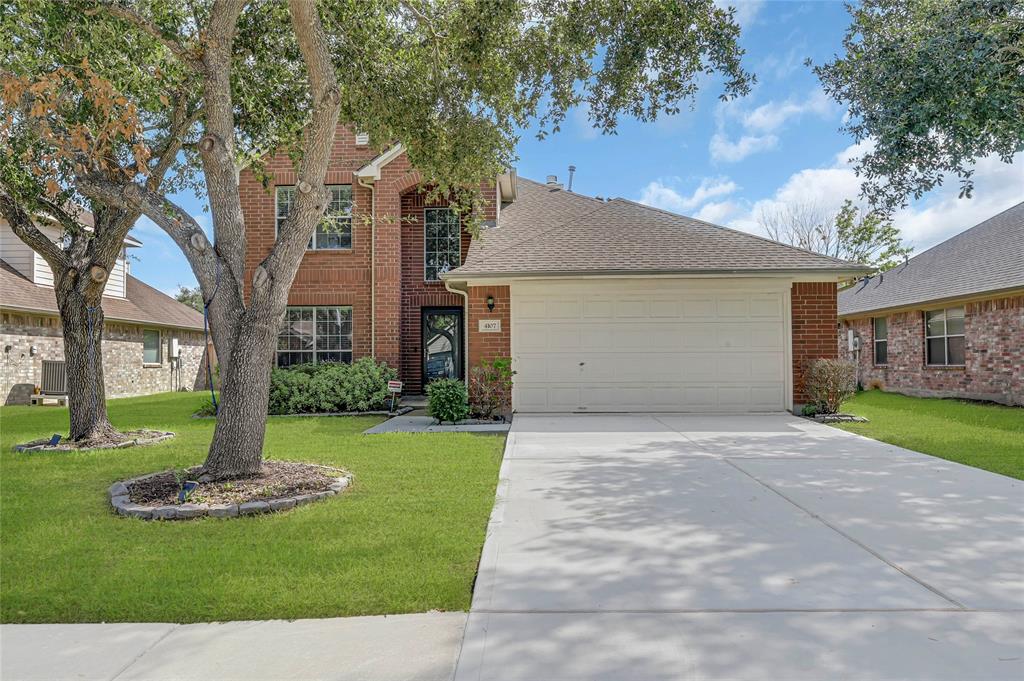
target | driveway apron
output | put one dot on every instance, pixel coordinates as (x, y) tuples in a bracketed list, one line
[(733, 547)]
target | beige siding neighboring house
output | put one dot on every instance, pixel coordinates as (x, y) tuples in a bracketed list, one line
[(142, 326), (947, 323)]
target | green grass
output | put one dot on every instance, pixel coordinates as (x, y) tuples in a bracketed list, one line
[(986, 436), (405, 538)]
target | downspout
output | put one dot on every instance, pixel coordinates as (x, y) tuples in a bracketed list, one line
[(373, 269), (464, 292)]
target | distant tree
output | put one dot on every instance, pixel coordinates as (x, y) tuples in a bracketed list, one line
[(193, 297), (851, 233), (935, 85)]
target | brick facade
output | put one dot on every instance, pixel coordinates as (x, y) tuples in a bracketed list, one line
[(393, 286), (123, 371), (993, 353), (814, 327)]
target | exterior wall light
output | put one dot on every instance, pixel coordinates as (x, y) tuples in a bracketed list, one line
[(490, 303)]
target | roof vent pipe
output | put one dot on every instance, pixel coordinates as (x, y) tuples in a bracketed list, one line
[(572, 171)]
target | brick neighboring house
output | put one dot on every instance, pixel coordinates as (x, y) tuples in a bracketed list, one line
[(602, 305), (947, 323), (141, 324)]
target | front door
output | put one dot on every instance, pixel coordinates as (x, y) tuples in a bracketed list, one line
[(442, 343)]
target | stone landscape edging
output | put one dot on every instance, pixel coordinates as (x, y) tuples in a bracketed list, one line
[(123, 505), (160, 436)]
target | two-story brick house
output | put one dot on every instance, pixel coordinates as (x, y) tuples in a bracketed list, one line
[(602, 305)]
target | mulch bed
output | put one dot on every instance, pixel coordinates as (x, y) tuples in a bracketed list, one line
[(131, 438), (276, 479)]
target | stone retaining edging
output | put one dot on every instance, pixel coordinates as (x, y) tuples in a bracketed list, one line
[(123, 505), (157, 436)]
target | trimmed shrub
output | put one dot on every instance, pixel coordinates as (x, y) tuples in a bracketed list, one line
[(830, 382), (490, 387), (330, 387), (447, 400), (366, 385)]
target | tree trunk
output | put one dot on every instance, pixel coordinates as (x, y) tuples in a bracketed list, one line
[(237, 447), (82, 322)]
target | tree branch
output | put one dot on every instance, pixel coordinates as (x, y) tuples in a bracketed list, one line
[(318, 140), (24, 227), (169, 216), (136, 19)]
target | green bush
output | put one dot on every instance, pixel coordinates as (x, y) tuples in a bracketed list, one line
[(447, 400), (330, 387)]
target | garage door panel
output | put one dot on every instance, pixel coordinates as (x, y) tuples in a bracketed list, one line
[(638, 349)]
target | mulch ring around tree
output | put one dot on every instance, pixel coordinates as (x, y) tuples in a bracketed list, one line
[(280, 485), (132, 438)]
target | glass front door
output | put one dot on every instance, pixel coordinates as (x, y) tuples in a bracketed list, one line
[(442, 343)]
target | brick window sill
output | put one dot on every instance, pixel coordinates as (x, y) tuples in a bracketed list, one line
[(151, 365), (946, 367)]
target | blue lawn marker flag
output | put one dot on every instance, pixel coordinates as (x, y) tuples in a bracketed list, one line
[(187, 489)]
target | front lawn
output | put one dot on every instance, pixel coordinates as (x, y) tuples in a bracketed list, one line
[(985, 436), (405, 538)]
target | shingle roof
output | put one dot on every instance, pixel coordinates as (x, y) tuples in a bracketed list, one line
[(986, 258), (552, 231), (144, 303)]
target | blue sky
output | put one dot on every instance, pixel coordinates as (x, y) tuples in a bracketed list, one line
[(720, 162)]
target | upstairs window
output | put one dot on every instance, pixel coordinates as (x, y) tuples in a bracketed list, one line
[(881, 328), (442, 242), (335, 230), (944, 336), (315, 334)]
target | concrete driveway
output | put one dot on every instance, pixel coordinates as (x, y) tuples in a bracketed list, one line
[(636, 547)]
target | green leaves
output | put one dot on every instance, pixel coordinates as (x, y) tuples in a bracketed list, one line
[(936, 84)]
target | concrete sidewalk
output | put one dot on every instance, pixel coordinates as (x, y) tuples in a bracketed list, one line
[(420, 647)]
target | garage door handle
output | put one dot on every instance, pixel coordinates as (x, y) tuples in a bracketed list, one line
[(582, 363)]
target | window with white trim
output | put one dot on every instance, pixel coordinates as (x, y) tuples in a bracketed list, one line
[(315, 334), (442, 242), (881, 333), (944, 336), (335, 231), (150, 346)]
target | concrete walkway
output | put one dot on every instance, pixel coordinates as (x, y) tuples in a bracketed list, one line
[(394, 648), (644, 548)]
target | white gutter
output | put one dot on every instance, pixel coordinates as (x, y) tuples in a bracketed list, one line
[(373, 269), (465, 327)]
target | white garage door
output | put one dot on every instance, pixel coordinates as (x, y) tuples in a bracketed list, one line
[(670, 345)]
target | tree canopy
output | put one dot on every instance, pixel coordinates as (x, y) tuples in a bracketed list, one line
[(934, 85)]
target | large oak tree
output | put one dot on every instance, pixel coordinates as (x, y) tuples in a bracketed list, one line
[(454, 81), (934, 85)]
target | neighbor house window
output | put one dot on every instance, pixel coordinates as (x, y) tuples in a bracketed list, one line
[(335, 230), (944, 336), (442, 240), (150, 346), (881, 325), (315, 334)]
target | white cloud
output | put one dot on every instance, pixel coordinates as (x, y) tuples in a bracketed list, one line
[(773, 115), (718, 212), (746, 10), (662, 194), (724, 149), (930, 221)]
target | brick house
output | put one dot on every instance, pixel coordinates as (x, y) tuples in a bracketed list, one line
[(947, 323), (142, 327), (602, 305)]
